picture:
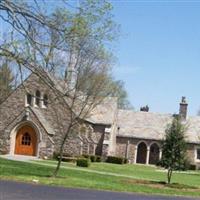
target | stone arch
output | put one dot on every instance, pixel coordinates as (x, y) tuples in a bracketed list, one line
[(141, 153), (15, 132), (154, 153)]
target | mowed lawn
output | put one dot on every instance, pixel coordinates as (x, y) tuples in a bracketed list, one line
[(103, 176)]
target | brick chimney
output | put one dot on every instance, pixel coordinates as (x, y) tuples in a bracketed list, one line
[(144, 108), (183, 108)]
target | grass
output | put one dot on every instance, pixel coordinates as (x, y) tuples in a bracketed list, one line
[(103, 176)]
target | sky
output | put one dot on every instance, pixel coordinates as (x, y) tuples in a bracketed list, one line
[(158, 53)]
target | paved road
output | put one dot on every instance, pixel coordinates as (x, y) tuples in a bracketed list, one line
[(21, 191)]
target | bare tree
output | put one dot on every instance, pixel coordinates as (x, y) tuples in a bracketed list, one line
[(7, 80), (73, 43)]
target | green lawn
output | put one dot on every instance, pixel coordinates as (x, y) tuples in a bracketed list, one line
[(126, 178)]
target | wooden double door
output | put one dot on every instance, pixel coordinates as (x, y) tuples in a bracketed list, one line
[(26, 141)]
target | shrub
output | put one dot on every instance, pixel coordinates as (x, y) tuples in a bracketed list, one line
[(115, 160), (192, 167), (55, 155), (98, 159), (126, 161), (93, 158), (83, 162)]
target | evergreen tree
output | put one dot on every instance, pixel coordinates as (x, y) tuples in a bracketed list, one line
[(6, 81), (174, 148)]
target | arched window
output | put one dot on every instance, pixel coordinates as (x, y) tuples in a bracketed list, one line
[(29, 99), (26, 139), (141, 153), (37, 100), (154, 154), (45, 100)]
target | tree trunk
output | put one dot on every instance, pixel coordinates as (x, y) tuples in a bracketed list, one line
[(55, 173), (59, 160), (169, 175)]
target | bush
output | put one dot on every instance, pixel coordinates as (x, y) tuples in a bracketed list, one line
[(115, 160), (126, 161), (93, 158), (98, 159), (55, 155), (83, 162), (192, 167)]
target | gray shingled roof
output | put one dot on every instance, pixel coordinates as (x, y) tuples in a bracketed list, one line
[(193, 131), (105, 112), (43, 121), (147, 125)]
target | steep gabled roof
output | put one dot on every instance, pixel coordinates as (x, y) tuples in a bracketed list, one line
[(105, 112), (43, 121)]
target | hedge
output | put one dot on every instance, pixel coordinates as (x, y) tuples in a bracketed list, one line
[(116, 160), (93, 158), (83, 162)]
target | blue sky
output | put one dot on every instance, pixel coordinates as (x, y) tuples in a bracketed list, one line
[(159, 53)]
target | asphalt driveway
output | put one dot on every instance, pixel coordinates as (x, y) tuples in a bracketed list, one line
[(21, 191)]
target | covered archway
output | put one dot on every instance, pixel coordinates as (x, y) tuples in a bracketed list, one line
[(25, 140), (141, 153), (154, 154)]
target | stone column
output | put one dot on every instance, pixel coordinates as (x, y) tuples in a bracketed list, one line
[(148, 153), (94, 150), (160, 154), (127, 149), (33, 101), (135, 157), (81, 148)]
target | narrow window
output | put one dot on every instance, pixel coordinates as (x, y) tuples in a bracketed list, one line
[(45, 100), (29, 99), (198, 154), (37, 100)]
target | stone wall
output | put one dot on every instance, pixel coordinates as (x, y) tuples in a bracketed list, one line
[(12, 112), (126, 147)]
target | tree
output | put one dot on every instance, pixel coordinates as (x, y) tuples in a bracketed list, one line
[(174, 148), (80, 36), (6, 81), (120, 92)]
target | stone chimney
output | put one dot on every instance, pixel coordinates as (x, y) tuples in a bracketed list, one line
[(183, 108), (144, 108)]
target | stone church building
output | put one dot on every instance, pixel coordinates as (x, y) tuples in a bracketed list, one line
[(28, 126)]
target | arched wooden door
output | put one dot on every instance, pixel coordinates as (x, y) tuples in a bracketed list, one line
[(26, 141)]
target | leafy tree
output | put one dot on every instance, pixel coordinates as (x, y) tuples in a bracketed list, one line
[(120, 92), (80, 36), (174, 148), (6, 81)]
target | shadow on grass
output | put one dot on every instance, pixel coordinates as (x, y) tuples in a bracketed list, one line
[(161, 184)]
